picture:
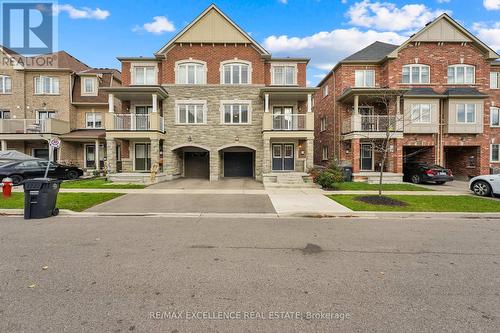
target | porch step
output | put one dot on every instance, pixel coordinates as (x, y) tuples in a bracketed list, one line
[(288, 180)]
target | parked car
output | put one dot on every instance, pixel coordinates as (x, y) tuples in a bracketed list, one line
[(485, 185), (20, 170), (420, 172)]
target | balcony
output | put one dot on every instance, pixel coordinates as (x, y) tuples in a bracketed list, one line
[(34, 126), (372, 126), (134, 123), (288, 122)]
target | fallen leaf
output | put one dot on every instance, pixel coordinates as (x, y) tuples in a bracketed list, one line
[(32, 286), (45, 268)]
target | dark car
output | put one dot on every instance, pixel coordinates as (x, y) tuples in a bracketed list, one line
[(21, 170), (419, 172)]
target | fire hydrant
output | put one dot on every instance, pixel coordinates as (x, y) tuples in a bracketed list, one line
[(7, 187)]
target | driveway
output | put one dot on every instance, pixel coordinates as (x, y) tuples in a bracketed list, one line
[(204, 184), (458, 186)]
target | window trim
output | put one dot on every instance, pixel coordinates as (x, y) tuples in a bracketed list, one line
[(491, 116), (323, 124), (364, 78), (51, 85), (420, 112), (420, 66), (4, 78), (325, 90), (491, 153), (37, 114), (178, 103), (465, 66), (93, 79), (223, 103), (93, 120), (497, 79), (465, 110), (323, 157), (189, 61), (134, 65), (284, 64), (235, 62)]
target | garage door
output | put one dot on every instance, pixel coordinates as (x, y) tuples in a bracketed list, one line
[(196, 165), (238, 164)]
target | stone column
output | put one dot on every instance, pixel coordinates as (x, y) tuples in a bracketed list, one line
[(111, 155), (214, 165), (155, 151), (309, 155), (266, 159), (356, 105), (4, 145), (111, 103)]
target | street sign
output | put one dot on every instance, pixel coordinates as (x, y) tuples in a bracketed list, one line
[(55, 142)]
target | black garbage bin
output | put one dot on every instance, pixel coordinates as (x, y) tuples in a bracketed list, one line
[(40, 196), (347, 173)]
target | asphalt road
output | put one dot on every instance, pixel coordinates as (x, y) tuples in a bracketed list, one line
[(132, 274)]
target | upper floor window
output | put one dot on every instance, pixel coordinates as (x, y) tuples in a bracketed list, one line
[(495, 117), (324, 153), (89, 86), (144, 75), (325, 91), (495, 152), (5, 84), (47, 85), (93, 119), (416, 74), (236, 73), (193, 112), (364, 78), (466, 113), (236, 113), (421, 113), (461, 74), (190, 73), (284, 75), (495, 80), (323, 124), (44, 114)]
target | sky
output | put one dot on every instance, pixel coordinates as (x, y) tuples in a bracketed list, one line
[(98, 31)]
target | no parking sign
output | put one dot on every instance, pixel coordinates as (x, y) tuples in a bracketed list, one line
[(55, 142)]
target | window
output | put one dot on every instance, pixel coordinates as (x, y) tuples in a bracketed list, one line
[(144, 75), (283, 75), (236, 73), (90, 156), (89, 86), (495, 117), (466, 113), (323, 124), (236, 114), (46, 85), (190, 73), (94, 120), (325, 91), (461, 74), (421, 113), (4, 114), (495, 152), (364, 78), (416, 74), (5, 84), (324, 153), (471, 161), (43, 114), (495, 80), (191, 113)]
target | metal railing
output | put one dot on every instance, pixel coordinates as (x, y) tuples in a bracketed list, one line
[(23, 126), (289, 122), (132, 122), (373, 123)]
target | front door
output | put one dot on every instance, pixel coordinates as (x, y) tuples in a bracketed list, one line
[(142, 156), (366, 160), (283, 157), (283, 118)]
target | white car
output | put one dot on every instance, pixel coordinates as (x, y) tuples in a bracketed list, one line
[(486, 185)]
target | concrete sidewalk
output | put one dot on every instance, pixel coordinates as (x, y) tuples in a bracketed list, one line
[(305, 204)]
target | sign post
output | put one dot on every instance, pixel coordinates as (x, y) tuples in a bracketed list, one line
[(53, 144)]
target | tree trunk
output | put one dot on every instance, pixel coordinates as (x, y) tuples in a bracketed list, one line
[(382, 164)]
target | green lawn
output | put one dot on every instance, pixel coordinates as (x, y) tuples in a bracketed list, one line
[(98, 183), (360, 186), (74, 201), (427, 203)]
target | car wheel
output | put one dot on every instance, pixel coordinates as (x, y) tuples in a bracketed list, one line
[(415, 179), (481, 188), (440, 183), (17, 179), (72, 174)]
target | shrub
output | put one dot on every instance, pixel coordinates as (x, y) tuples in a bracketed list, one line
[(328, 177)]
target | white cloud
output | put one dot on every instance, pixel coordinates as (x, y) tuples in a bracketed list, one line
[(283, 1), (388, 17), (443, 1), (159, 25), (491, 4), (490, 34), (81, 13), (326, 48)]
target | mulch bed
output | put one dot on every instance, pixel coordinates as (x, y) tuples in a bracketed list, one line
[(381, 201)]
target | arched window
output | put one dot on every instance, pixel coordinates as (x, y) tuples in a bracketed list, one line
[(461, 74), (236, 72), (190, 72), (416, 74)]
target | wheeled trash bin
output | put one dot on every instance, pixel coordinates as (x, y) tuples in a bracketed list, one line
[(40, 196)]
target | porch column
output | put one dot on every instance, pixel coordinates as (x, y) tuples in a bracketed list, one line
[(155, 103), (398, 105), (4, 145), (155, 152), (356, 104), (309, 155), (111, 155), (111, 103), (309, 102), (266, 102), (355, 155), (97, 157), (214, 165), (266, 159)]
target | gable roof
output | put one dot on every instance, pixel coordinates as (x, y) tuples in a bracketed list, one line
[(373, 53), (445, 29), (212, 26)]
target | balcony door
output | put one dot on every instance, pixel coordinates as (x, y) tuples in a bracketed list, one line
[(142, 117), (283, 157), (366, 158), (283, 118), (142, 156), (367, 119)]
